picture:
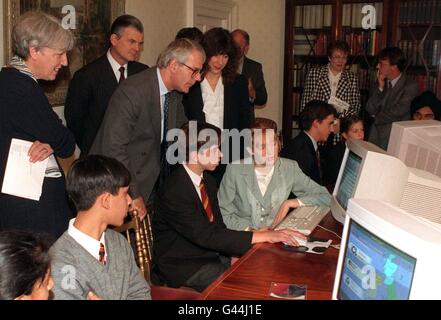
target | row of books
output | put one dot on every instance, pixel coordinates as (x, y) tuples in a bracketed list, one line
[(420, 12), (310, 44), (367, 43), (417, 53), (353, 14), (427, 82), (313, 16)]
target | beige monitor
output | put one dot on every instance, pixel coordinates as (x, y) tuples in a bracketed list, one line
[(417, 144), (368, 172)]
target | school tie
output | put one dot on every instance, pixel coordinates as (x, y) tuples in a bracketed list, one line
[(122, 76), (165, 167), (206, 201), (102, 255)]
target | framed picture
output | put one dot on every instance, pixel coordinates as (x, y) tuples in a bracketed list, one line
[(90, 22)]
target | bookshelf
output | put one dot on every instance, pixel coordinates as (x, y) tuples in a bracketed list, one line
[(418, 34), (309, 27)]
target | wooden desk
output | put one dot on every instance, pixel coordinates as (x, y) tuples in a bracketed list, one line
[(251, 276)]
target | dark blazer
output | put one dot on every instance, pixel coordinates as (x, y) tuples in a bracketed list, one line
[(253, 69), (131, 129), (184, 239), (302, 150), (238, 111), (88, 96), (331, 157), (390, 106)]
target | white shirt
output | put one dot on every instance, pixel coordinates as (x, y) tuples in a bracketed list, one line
[(213, 103), (115, 66), (263, 178), (333, 81), (196, 179), (90, 244), (162, 92), (392, 82)]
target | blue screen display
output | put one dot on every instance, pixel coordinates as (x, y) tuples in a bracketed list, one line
[(348, 180), (373, 269)]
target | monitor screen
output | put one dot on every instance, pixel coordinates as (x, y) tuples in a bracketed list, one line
[(373, 269), (348, 180)]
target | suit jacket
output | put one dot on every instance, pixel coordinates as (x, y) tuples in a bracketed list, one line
[(238, 111), (241, 201), (131, 129), (318, 87), (390, 106), (253, 69), (88, 96), (302, 150), (184, 239)]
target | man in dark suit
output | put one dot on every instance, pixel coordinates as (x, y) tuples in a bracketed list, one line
[(192, 246), (391, 100), (317, 122), (93, 85), (252, 70), (142, 110)]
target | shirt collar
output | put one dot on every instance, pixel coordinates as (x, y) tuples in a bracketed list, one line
[(90, 244), (196, 179), (314, 143), (394, 81), (114, 64), (337, 76), (162, 88)]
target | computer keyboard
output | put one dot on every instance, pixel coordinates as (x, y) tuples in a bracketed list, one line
[(304, 219)]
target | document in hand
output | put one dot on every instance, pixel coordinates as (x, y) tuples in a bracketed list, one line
[(22, 178)]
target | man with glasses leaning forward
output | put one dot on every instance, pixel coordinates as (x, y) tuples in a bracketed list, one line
[(142, 110)]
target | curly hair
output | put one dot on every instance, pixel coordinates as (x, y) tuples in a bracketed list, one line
[(219, 41)]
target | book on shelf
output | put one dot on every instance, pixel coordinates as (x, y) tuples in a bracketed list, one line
[(353, 16), (313, 16), (420, 12), (419, 55)]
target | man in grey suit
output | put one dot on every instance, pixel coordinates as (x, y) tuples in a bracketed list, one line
[(141, 111), (252, 70), (390, 101)]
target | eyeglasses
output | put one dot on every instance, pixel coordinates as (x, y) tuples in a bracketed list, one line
[(195, 73)]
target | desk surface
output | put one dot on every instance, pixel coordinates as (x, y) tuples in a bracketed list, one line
[(251, 276)]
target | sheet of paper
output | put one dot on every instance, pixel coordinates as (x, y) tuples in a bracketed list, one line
[(22, 178), (340, 105)]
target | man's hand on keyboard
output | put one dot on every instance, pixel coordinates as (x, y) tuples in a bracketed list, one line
[(287, 236), (286, 206)]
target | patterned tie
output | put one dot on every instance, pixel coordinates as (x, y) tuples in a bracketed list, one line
[(165, 167), (122, 77), (206, 201), (102, 254)]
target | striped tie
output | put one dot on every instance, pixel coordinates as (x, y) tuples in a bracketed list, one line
[(102, 254), (206, 201)]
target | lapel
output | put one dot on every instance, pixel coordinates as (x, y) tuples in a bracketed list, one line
[(249, 176), (246, 66), (323, 80), (274, 183), (172, 112), (397, 89), (228, 104), (342, 85), (156, 104), (196, 103), (108, 77)]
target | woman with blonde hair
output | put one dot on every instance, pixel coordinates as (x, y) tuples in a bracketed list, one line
[(39, 43)]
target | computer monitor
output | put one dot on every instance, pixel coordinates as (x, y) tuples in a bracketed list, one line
[(387, 254), (417, 144), (368, 172)]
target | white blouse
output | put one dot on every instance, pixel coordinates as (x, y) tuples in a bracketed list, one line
[(213, 103)]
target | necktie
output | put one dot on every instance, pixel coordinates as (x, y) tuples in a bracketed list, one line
[(102, 255), (165, 167), (206, 201), (122, 76)]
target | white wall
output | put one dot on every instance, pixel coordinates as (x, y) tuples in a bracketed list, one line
[(161, 19), (265, 22)]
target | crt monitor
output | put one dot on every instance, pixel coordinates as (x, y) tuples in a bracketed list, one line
[(368, 172), (417, 144), (387, 254)]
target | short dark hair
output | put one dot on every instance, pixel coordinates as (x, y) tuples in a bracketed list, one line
[(24, 260), (338, 45), (193, 143), (219, 41), (90, 177), (125, 21), (429, 99), (347, 122), (244, 34), (395, 56), (315, 110), (191, 33)]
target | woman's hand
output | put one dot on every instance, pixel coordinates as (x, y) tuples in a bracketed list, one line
[(283, 211), (39, 151)]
